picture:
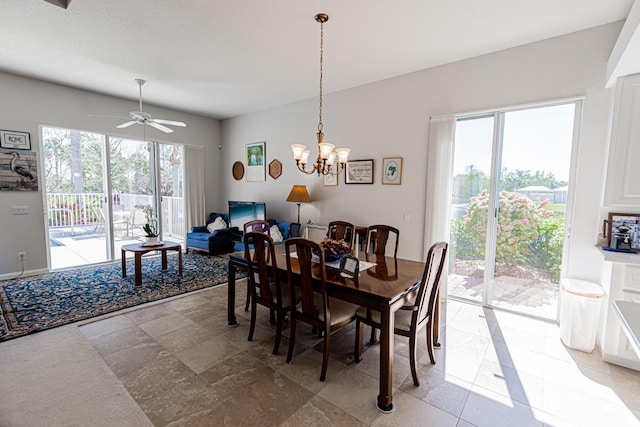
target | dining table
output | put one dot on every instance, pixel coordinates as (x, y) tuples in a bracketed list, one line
[(386, 286)]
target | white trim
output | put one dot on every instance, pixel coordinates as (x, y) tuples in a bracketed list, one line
[(516, 107)]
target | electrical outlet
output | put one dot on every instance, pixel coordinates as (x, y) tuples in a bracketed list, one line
[(22, 256)]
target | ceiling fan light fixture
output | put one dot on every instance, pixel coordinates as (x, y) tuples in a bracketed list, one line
[(141, 117)]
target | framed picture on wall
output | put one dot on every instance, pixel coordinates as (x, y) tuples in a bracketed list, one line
[(21, 173), (359, 172), (15, 140), (392, 170), (256, 170)]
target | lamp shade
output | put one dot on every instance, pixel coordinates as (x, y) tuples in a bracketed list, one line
[(299, 194)]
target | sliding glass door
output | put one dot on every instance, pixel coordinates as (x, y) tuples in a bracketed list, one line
[(91, 216), (171, 159), (78, 226), (508, 207)]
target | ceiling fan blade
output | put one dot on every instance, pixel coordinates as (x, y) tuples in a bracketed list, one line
[(170, 122), (108, 117), (160, 127), (126, 125)]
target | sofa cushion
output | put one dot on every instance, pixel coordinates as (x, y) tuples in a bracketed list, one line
[(217, 224), (276, 235), (284, 227)]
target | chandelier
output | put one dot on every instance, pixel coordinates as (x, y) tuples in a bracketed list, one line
[(326, 159)]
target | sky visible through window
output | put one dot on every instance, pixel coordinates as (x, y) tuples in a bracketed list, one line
[(537, 139)]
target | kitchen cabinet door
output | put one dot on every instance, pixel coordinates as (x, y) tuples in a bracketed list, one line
[(623, 171)]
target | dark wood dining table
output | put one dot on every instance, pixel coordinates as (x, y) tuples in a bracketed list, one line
[(384, 287)]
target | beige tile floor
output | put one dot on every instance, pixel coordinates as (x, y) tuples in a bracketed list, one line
[(176, 363)]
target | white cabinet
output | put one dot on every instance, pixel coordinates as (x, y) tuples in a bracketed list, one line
[(620, 278), (623, 173)]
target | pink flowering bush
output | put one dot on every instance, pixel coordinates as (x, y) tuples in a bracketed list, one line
[(518, 218)]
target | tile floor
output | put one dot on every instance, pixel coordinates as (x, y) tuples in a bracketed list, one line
[(176, 363)]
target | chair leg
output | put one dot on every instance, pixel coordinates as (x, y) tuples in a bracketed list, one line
[(429, 329), (279, 320), (357, 352), (292, 336), (325, 355), (248, 300), (372, 340), (412, 359), (252, 327)]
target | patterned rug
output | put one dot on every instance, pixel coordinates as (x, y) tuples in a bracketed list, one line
[(41, 302)]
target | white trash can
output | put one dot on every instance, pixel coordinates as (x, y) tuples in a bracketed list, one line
[(580, 314)]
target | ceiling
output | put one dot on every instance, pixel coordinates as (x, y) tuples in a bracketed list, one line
[(222, 58)]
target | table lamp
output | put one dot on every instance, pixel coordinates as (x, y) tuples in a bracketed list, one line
[(299, 195)]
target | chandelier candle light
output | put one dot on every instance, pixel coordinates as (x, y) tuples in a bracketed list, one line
[(326, 156)]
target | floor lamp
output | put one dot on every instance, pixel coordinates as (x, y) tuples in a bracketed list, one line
[(299, 195)]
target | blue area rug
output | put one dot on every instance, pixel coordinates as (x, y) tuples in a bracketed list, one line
[(41, 302)]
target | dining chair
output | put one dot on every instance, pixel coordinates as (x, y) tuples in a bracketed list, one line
[(376, 243), (378, 239), (415, 315), (316, 308), (258, 226), (342, 230), (264, 283)]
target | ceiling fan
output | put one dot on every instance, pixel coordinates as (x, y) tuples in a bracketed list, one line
[(143, 118)]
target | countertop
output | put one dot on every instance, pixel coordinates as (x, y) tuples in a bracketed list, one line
[(628, 313), (629, 258)]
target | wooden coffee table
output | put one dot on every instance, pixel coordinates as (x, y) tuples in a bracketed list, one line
[(139, 250)]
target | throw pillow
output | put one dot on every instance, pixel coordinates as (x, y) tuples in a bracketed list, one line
[(276, 235), (218, 224)]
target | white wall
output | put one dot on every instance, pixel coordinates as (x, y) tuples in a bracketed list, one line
[(391, 118), (26, 103), (387, 118)]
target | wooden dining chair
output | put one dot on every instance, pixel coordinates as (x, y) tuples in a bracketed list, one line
[(342, 230), (376, 243), (316, 308), (264, 283), (378, 239), (258, 226), (414, 316)]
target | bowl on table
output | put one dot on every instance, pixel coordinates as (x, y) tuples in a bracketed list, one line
[(334, 250)]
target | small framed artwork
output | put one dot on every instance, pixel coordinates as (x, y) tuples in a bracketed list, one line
[(349, 266), (331, 180), (624, 231), (275, 169), (359, 172), (256, 169), (15, 140), (238, 170), (20, 171), (392, 170)]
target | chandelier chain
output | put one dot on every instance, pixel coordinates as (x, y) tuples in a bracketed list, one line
[(321, 60)]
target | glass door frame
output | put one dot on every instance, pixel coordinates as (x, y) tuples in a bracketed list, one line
[(498, 116)]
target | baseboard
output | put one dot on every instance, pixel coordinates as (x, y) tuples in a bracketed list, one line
[(16, 275)]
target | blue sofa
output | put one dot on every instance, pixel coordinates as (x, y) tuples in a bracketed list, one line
[(288, 229), (219, 242)]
